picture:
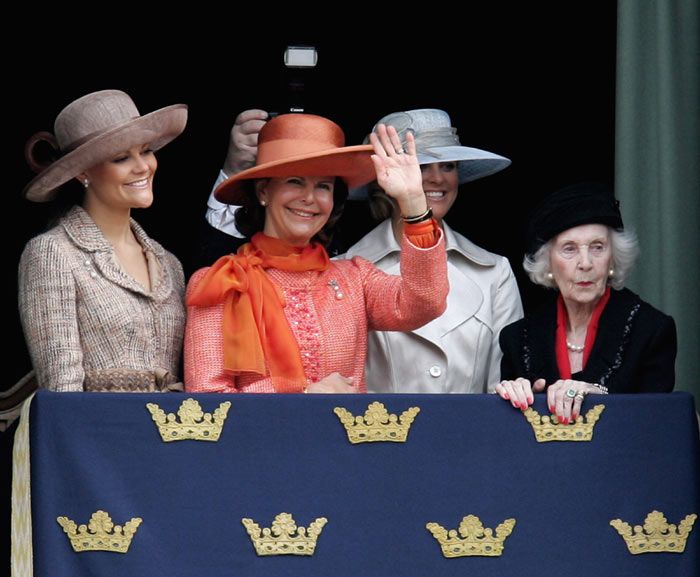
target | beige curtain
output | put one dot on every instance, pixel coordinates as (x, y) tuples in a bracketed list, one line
[(658, 161)]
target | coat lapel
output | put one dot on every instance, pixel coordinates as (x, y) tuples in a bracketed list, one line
[(464, 298), (612, 329), (87, 236), (463, 302)]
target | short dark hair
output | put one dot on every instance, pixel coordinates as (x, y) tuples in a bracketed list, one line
[(250, 218)]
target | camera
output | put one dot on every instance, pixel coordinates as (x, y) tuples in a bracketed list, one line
[(299, 61)]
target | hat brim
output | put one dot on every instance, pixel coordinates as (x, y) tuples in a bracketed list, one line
[(474, 163), (353, 164), (156, 128)]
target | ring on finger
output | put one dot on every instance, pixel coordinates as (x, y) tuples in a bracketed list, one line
[(571, 393), (400, 151), (580, 396)]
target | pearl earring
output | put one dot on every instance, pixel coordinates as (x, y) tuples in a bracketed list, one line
[(611, 272), (86, 182), (263, 203), (550, 276)]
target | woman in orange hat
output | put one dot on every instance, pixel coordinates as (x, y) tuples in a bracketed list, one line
[(101, 303), (279, 316)]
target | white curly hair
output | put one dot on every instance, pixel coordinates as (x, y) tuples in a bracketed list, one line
[(625, 249)]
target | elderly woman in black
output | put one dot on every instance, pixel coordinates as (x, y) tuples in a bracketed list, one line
[(592, 336)]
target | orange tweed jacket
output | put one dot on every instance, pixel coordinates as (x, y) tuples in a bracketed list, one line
[(330, 313)]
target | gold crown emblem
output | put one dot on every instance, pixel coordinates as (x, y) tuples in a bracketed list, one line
[(284, 538), (548, 429), (100, 534), (657, 536), (474, 541), (194, 423), (377, 424)]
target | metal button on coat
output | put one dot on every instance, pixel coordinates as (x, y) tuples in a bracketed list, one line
[(435, 371)]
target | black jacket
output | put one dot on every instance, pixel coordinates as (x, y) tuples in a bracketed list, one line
[(634, 350)]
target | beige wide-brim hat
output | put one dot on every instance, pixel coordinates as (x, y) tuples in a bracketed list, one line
[(301, 145), (94, 129)]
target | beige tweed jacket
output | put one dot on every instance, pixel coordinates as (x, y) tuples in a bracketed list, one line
[(89, 325)]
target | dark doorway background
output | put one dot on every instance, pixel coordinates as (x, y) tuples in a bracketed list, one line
[(537, 87)]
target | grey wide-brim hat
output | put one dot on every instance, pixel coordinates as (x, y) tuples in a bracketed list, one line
[(437, 141), (92, 130)]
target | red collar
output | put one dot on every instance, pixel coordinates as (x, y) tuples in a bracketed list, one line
[(562, 353)]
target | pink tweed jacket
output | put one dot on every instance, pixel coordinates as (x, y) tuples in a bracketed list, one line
[(330, 313), (90, 326)]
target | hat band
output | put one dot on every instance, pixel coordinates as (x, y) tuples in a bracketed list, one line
[(444, 136), (83, 139), (289, 148)]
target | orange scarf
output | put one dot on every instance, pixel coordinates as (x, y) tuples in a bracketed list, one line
[(255, 329)]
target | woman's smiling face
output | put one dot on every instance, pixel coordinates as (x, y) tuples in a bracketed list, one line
[(296, 207)]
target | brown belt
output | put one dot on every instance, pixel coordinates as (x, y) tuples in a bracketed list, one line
[(131, 381)]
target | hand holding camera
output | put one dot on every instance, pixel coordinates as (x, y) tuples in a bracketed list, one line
[(243, 144)]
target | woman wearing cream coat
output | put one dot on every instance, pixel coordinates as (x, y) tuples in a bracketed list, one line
[(458, 352)]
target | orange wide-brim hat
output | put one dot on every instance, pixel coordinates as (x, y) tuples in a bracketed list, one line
[(301, 145)]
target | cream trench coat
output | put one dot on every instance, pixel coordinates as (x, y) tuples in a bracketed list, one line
[(458, 352)]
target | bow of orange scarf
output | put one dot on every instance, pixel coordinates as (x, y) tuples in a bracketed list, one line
[(256, 333)]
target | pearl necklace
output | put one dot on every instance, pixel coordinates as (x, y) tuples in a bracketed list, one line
[(574, 348)]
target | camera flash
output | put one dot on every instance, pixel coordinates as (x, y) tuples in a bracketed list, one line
[(300, 57)]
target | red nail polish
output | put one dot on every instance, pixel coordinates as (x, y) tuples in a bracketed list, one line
[(506, 397), (574, 417)]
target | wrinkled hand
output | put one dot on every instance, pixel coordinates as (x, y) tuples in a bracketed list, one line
[(398, 171), (243, 144), (333, 383), (565, 407), (519, 392)]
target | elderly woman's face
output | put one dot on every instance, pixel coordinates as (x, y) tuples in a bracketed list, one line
[(580, 259), (296, 207)]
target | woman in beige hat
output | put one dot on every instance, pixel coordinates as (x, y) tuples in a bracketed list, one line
[(101, 303), (279, 316)]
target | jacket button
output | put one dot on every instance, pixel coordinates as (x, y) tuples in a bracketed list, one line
[(435, 371)]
